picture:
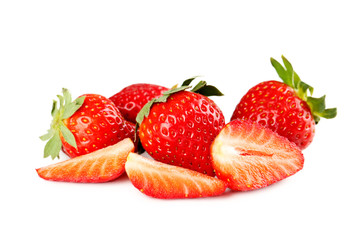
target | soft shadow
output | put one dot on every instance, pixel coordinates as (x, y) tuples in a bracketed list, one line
[(122, 179)]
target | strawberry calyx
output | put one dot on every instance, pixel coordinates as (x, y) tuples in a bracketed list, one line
[(66, 109), (202, 88), (302, 89)]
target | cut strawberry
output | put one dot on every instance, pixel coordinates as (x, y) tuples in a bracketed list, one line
[(249, 156), (161, 180), (102, 165)]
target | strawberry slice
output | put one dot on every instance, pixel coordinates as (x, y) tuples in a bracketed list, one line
[(249, 156), (102, 165), (161, 180)]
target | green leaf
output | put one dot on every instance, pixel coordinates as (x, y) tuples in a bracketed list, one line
[(206, 90), (302, 90), (198, 86), (68, 135), (188, 81), (61, 98), (53, 147), (80, 101), (317, 105), (318, 110), (287, 64), (311, 90), (175, 90), (201, 87), (281, 71), (66, 109), (144, 112), (295, 80), (210, 90), (67, 96), (54, 109), (72, 107), (290, 75), (47, 136), (162, 98), (329, 113), (69, 110)]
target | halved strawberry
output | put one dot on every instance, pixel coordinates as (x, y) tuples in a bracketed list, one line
[(102, 165), (249, 156), (161, 180)]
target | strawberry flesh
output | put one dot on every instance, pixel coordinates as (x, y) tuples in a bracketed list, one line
[(161, 180), (249, 156), (99, 166)]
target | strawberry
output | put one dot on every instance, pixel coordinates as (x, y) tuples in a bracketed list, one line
[(249, 156), (161, 180), (89, 123), (102, 165), (178, 127), (132, 98), (284, 107)]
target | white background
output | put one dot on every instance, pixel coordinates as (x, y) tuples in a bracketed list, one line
[(103, 46)]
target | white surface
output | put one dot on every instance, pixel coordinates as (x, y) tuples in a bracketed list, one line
[(101, 47)]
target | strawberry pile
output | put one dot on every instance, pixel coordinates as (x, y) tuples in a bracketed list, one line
[(194, 153)]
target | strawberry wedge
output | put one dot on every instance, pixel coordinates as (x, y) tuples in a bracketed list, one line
[(161, 180), (249, 156), (102, 165)]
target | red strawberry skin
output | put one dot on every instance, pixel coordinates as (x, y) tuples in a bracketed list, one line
[(95, 125), (99, 166), (131, 99), (275, 105), (249, 156), (165, 181), (180, 131)]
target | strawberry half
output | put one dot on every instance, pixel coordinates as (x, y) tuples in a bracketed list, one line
[(284, 107), (132, 98), (99, 166), (161, 180), (88, 123), (249, 156)]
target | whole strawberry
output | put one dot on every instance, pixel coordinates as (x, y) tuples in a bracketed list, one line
[(132, 98), (178, 127), (88, 123), (284, 107)]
